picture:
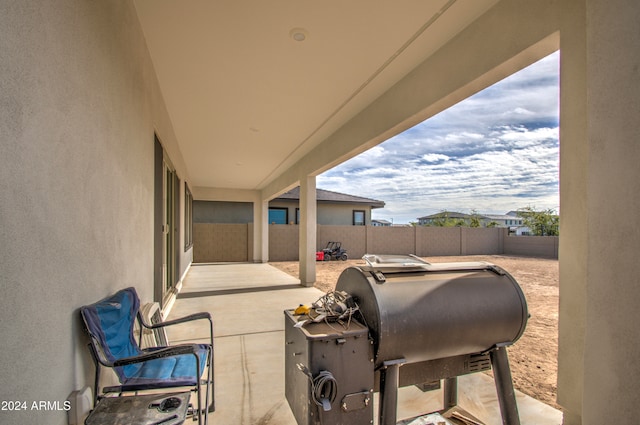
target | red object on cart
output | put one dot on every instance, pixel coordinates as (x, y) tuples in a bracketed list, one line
[(320, 256)]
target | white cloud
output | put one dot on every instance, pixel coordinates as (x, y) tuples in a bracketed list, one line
[(494, 152), (523, 135), (522, 111), (434, 157)]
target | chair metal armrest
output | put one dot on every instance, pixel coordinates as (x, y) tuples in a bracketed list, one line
[(189, 318), (174, 350)]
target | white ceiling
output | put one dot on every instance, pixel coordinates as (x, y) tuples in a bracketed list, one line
[(247, 101)]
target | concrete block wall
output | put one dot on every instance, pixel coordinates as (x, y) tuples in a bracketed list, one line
[(220, 243), (536, 246), (233, 242), (283, 242), (391, 240), (476, 241), (353, 238), (434, 241)]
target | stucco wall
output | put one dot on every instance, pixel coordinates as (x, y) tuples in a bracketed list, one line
[(79, 104), (242, 212), (222, 212), (341, 214), (328, 213), (229, 242), (611, 366)]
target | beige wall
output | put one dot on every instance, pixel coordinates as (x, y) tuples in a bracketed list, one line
[(338, 214), (209, 240), (78, 110), (353, 238), (431, 241), (389, 240), (220, 242), (537, 246), (611, 289), (283, 242), (574, 223)]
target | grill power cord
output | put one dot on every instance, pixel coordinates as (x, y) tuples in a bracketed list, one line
[(324, 387), (332, 307)]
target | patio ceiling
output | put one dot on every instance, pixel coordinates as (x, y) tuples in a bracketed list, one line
[(247, 100)]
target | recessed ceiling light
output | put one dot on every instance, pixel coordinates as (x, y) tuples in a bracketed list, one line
[(299, 34)]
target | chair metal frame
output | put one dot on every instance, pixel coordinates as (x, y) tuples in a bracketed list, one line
[(101, 359)]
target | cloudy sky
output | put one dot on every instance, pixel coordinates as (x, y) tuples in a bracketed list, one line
[(494, 152)]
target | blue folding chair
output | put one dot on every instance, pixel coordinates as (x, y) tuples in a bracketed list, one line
[(110, 325)]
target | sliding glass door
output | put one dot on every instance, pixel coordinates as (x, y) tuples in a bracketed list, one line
[(169, 227)]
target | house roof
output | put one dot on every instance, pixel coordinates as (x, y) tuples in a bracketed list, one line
[(453, 214), (448, 214), (328, 196)]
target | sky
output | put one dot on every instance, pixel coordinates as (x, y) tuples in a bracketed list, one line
[(492, 153)]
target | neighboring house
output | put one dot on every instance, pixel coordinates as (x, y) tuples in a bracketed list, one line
[(381, 223), (444, 215), (333, 208), (509, 220)]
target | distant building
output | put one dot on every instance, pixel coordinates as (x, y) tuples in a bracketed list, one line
[(381, 223), (332, 208), (434, 219), (509, 220)]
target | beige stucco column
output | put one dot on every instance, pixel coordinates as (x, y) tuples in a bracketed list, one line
[(573, 249), (261, 231), (599, 371), (612, 337), (307, 232)]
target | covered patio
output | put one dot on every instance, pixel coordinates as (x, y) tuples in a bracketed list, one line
[(247, 303), (115, 115)]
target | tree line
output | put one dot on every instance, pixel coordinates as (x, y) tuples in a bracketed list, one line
[(544, 222)]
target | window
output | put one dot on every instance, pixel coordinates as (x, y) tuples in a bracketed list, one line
[(278, 215), (297, 215), (358, 218), (188, 217)]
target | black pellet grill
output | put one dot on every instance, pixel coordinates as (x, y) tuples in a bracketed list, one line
[(418, 324)]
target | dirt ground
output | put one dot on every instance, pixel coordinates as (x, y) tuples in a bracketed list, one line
[(533, 358)]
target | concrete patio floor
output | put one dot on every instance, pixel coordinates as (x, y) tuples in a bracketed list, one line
[(247, 303)]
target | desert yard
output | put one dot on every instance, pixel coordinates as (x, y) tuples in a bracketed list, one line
[(534, 358)]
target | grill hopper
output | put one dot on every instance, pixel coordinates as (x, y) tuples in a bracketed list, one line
[(418, 311)]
